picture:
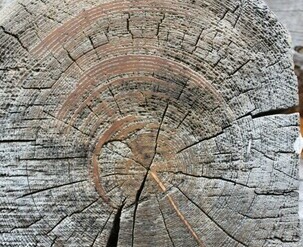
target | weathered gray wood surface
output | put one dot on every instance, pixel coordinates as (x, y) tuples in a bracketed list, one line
[(290, 13), (150, 123)]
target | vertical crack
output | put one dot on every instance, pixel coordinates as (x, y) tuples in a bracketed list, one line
[(113, 95), (164, 222), (159, 25), (101, 230), (114, 233), (139, 192), (197, 40), (127, 26)]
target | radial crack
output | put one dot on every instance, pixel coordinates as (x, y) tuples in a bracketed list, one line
[(239, 68), (101, 230), (212, 219), (198, 142), (289, 110), (139, 192), (112, 94), (183, 119), (213, 178), (114, 233), (138, 195), (50, 188), (86, 207), (58, 223), (164, 222)]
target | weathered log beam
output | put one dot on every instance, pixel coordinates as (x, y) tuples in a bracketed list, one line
[(147, 123)]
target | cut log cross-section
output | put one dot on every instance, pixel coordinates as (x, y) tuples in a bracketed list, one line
[(146, 123)]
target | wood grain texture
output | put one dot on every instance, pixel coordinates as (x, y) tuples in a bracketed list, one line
[(147, 123)]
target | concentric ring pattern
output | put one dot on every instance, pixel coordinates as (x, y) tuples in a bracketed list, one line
[(146, 123)]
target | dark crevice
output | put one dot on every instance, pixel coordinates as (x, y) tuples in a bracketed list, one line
[(197, 40), (54, 241), (289, 110), (12, 176), (238, 17), (158, 134), (159, 25), (13, 68), (53, 158), (58, 223), (213, 178), (281, 239), (101, 230), (113, 95), (91, 41), (15, 36), (164, 222), (139, 192), (224, 14), (239, 68), (137, 199), (50, 188), (182, 89), (69, 125), (127, 26), (74, 60), (125, 157), (92, 111), (276, 193), (186, 115), (89, 205), (114, 233), (276, 169), (237, 7), (26, 226), (14, 141), (198, 142)]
